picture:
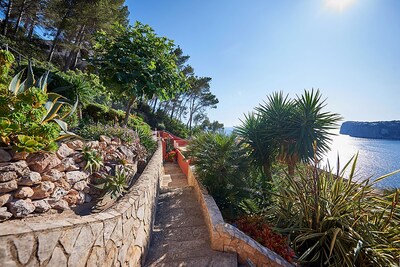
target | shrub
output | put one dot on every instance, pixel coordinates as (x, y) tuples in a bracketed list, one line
[(338, 222), (94, 131), (257, 228), (222, 167)]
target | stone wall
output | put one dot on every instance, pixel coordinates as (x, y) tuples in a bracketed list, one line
[(45, 182), (119, 236), (227, 238)]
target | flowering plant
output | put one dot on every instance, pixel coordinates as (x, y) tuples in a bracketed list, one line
[(259, 230), (171, 156)]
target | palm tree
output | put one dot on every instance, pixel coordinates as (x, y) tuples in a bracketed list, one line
[(310, 124), (262, 151), (294, 126)]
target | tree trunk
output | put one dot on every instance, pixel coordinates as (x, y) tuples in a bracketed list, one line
[(155, 105), (7, 17), (31, 28), (53, 45), (267, 170), (73, 55), (21, 13), (291, 162), (128, 111)]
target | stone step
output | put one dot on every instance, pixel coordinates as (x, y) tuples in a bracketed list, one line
[(180, 236), (217, 260)]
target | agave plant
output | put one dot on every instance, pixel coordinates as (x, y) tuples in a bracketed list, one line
[(34, 113), (333, 221)]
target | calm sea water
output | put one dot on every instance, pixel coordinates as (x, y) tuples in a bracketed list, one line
[(376, 157)]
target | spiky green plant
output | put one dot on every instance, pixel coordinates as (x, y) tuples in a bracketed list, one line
[(262, 151), (334, 221), (222, 167), (94, 160), (32, 114), (116, 185)]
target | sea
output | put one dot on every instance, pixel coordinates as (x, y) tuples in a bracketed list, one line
[(376, 157)]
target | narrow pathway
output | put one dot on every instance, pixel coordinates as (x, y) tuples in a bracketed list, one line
[(180, 236)]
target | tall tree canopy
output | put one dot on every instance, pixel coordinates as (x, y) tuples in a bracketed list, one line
[(137, 63)]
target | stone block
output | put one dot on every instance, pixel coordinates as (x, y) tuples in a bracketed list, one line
[(68, 238), (97, 257), (43, 190), (4, 156), (21, 208), (64, 151), (23, 192), (5, 198), (112, 254), (9, 186), (58, 258), (7, 176), (29, 179), (81, 250), (41, 162), (24, 246), (47, 241)]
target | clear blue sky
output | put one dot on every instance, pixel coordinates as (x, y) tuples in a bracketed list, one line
[(349, 49)]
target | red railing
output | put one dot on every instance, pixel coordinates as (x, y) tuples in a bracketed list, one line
[(178, 142)]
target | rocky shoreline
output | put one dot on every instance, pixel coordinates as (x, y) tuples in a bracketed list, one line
[(373, 130)]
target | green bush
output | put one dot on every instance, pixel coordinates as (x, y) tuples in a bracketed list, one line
[(336, 222), (94, 131), (222, 167)]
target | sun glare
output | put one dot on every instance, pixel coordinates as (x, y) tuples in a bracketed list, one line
[(339, 5)]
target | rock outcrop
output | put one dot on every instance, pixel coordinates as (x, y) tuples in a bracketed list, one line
[(374, 130)]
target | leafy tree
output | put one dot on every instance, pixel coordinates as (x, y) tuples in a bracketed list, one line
[(137, 63), (199, 97)]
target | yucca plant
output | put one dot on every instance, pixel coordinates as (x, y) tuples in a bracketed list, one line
[(332, 221)]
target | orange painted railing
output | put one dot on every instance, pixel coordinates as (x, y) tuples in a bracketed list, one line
[(178, 142)]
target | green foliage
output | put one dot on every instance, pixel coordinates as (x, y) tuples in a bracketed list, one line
[(137, 63), (287, 129), (102, 114), (86, 86), (222, 167), (94, 160), (30, 117), (336, 222), (94, 131), (262, 152), (6, 60), (116, 185)]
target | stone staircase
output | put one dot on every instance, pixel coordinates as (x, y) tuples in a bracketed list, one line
[(180, 236)]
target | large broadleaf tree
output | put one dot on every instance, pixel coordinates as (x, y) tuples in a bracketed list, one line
[(137, 63)]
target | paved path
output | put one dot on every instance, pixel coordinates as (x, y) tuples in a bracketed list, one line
[(180, 236)]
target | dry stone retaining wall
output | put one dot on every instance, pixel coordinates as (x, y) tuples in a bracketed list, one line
[(227, 238), (117, 237)]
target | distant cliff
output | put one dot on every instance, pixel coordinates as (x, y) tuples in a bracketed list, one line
[(376, 130)]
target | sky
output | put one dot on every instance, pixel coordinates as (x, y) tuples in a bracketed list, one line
[(349, 49)]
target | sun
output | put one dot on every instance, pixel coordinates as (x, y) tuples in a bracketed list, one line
[(339, 5)]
